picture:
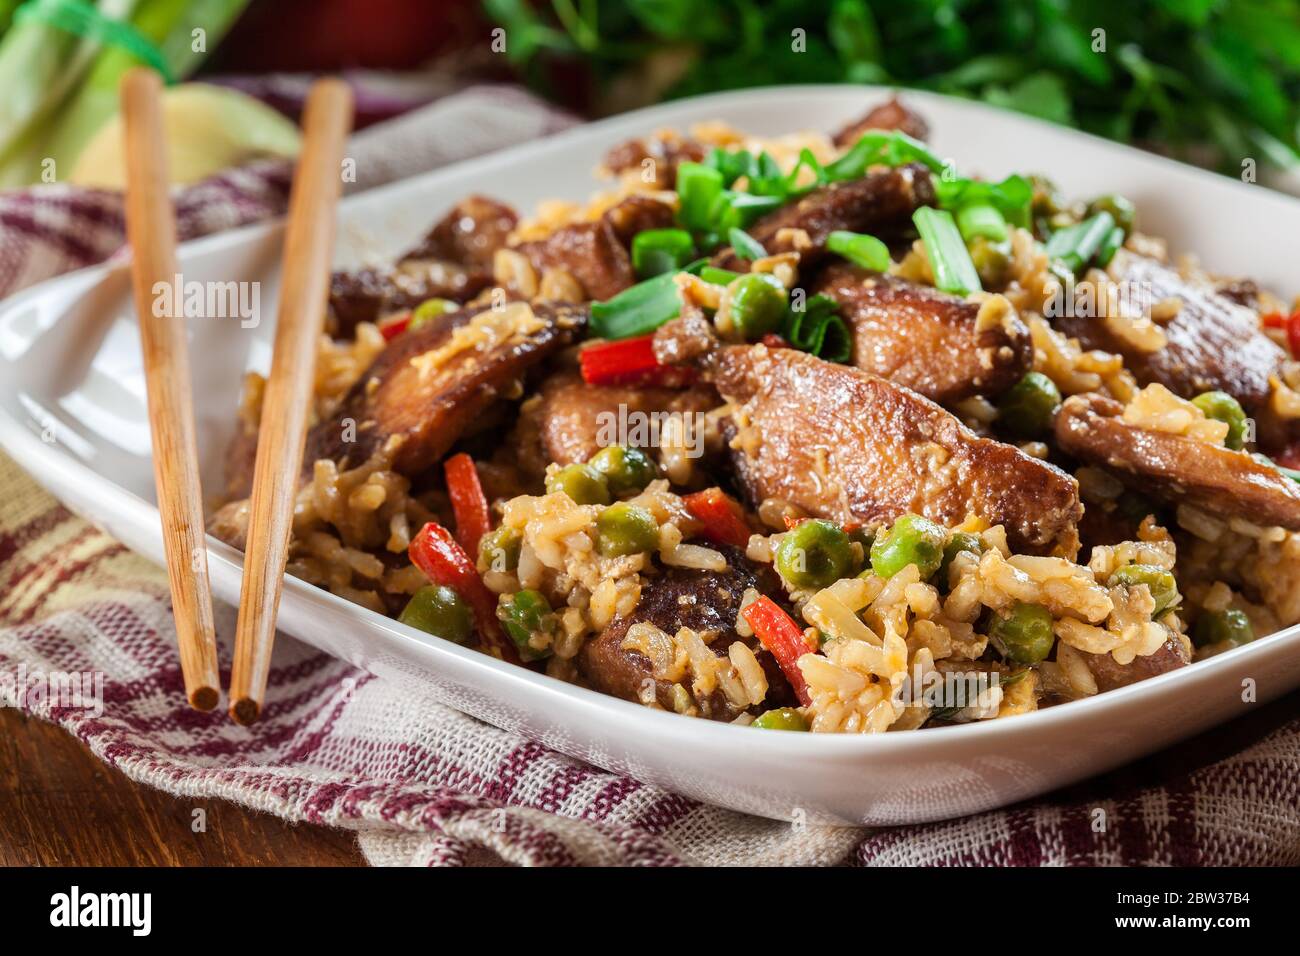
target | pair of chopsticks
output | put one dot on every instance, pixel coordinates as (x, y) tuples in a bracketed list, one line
[(309, 238)]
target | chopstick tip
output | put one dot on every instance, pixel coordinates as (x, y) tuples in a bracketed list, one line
[(204, 698), (245, 711)]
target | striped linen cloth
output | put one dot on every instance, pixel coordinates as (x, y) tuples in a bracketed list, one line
[(425, 785)]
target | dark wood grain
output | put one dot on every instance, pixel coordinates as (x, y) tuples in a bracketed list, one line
[(60, 806)]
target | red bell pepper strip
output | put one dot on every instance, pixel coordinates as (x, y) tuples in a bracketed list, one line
[(473, 519), (394, 325), (630, 362), (1273, 320), (1293, 333), (721, 517), (774, 341), (435, 552), (783, 637)]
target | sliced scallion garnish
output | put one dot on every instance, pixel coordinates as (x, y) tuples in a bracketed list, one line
[(949, 259), (860, 249)]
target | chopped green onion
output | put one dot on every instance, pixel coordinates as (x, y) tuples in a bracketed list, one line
[(699, 189), (860, 249), (640, 309), (746, 246), (656, 251), (716, 276), (881, 148), (949, 259), (1075, 246), (981, 219), (733, 210), (1013, 196), (818, 329), (1109, 246)]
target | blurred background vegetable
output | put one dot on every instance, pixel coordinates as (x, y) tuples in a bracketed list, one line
[(1210, 81)]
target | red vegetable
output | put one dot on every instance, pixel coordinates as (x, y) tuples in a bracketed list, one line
[(721, 517), (473, 519), (435, 552), (630, 362), (1293, 333), (1289, 457), (1273, 320), (783, 637), (394, 325), (774, 341)]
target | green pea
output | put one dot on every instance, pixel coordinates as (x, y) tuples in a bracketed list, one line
[(1028, 406), (499, 550), (814, 554), (1161, 584), (757, 304), (958, 542), (1215, 627), (524, 614), (624, 529), (786, 718), (582, 483), (439, 610), (1025, 634), (912, 540), (992, 261), (1223, 407), (1121, 210), (625, 469), (430, 309)]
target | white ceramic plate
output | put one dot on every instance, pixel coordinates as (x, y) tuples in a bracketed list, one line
[(70, 370)]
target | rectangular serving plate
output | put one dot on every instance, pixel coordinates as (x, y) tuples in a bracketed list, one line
[(72, 412)]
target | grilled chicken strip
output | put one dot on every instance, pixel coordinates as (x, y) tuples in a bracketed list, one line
[(572, 420), (664, 153), (596, 253), (1175, 468), (934, 343), (844, 444), (1212, 343), (880, 203), (454, 261), (891, 114), (707, 602), (1108, 674), (432, 383)]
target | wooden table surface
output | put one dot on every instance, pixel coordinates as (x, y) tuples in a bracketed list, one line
[(59, 805)]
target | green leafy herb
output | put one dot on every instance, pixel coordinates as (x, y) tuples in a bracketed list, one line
[(1213, 80)]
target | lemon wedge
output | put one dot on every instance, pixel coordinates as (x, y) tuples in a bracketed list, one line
[(208, 128)]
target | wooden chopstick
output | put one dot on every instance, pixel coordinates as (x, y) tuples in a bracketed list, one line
[(151, 231), (308, 247)]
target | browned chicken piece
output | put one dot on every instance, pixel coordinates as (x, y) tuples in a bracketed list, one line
[(930, 341), (590, 252), (367, 295), (665, 151), (707, 602), (880, 203), (573, 419), (470, 234), (844, 444), (1172, 655), (891, 114), (1212, 343), (431, 384), (637, 214), (454, 261), (1175, 468)]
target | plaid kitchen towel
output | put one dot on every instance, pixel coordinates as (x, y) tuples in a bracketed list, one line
[(425, 785)]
